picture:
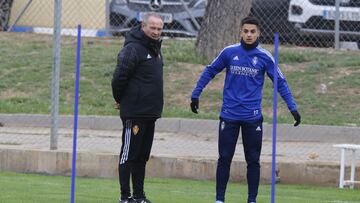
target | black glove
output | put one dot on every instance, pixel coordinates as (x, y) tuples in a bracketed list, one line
[(297, 117), (194, 105)]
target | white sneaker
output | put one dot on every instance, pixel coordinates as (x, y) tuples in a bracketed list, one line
[(217, 201)]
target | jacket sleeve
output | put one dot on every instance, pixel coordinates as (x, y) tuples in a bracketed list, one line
[(127, 61), (209, 73), (283, 87)]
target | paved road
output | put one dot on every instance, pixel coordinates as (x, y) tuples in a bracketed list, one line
[(165, 144)]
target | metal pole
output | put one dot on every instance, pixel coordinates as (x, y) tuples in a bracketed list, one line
[(55, 76), (76, 106), (337, 24), (107, 18), (342, 168), (273, 166)]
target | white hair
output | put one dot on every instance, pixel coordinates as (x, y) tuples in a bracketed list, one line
[(153, 14)]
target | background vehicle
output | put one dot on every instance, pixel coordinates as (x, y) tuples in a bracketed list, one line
[(314, 19), (273, 16), (125, 14)]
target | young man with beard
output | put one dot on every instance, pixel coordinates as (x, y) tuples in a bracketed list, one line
[(246, 64)]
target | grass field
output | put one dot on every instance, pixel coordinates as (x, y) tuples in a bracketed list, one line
[(32, 188), (325, 83)]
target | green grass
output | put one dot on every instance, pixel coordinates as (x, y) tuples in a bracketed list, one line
[(26, 69), (32, 188)]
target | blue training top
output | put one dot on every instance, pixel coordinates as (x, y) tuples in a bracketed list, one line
[(244, 80)]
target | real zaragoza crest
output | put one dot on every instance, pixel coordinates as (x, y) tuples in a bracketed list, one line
[(254, 60), (135, 129)]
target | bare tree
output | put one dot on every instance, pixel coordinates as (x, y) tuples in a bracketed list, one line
[(221, 26)]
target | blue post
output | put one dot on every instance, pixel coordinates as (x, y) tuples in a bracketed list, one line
[(76, 96), (273, 169)]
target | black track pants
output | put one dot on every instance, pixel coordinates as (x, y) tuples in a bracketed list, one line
[(137, 139)]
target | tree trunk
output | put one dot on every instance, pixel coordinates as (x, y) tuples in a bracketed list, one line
[(5, 6), (221, 26)]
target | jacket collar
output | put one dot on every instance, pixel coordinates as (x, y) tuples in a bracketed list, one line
[(249, 46)]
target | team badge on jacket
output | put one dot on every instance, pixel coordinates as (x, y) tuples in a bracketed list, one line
[(254, 60), (135, 129)]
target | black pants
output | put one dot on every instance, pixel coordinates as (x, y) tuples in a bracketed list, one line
[(137, 139), (251, 133)]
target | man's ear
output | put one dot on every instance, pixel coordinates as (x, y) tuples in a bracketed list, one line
[(142, 24)]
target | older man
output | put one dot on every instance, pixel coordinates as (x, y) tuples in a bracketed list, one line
[(137, 87)]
